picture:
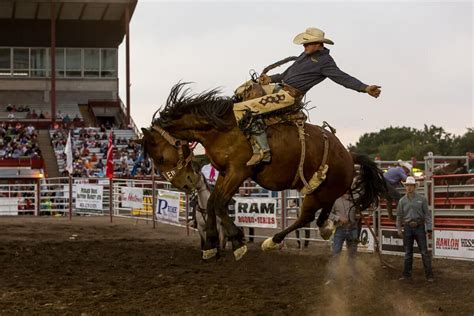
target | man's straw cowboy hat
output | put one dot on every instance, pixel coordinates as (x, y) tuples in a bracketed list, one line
[(311, 35), (410, 180)]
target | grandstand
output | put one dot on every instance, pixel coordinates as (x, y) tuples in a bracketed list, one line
[(59, 71)]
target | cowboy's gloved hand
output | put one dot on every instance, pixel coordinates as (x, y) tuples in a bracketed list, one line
[(264, 79), (373, 90)]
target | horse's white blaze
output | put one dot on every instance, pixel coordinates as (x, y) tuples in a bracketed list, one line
[(268, 244)]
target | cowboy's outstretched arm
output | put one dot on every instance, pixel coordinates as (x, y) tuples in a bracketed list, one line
[(337, 75)]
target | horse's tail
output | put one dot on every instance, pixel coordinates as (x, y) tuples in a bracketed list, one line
[(370, 185)]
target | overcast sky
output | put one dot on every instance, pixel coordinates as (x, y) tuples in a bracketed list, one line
[(421, 53)]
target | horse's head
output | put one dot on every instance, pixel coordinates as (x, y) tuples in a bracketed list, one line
[(171, 157)]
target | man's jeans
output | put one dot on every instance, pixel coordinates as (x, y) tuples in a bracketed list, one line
[(350, 235), (410, 235)]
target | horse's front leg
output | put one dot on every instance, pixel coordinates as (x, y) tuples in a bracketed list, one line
[(219, 200), (210, 248)]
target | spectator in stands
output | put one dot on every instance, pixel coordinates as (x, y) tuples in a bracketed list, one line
[(59, 115), (99, 164), (94, 158), (23, 109), (41, 115), (34, 115), (46, 115), (85, 151), (77, 119), (66, 120), (10, 108), (11, 116), (30, 129)]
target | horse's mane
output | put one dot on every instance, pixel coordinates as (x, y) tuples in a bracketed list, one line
[(208, 105)]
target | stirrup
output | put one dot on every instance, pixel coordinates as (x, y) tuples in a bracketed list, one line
[(259, 157)]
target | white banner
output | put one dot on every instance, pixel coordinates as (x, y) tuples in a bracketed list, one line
[(167, 206), (452, 243), (132, 197), (256, 212), (8, 206), (89, 196)]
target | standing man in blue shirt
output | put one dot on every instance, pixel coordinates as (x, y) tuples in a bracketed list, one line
[(310, 68), (393, 179), (413, 222)]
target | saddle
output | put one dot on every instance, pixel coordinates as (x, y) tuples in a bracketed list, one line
[(252, 90)]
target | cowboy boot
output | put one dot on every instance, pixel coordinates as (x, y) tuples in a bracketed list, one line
[(261, 150)]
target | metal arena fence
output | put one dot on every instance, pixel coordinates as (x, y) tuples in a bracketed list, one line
[(450, 200)]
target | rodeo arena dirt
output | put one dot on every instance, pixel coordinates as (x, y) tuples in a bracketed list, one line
[(98, 216), (122, 257)]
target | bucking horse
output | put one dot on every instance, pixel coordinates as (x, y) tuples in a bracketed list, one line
[(315, 154)]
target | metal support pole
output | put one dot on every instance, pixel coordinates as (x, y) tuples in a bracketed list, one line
[(283, 209), (153, 195), (38, 199), (70, 197), (433, 217), (127, 61), (187, 214), (111, 205), (53, 61)]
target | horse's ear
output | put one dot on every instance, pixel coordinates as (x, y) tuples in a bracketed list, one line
[(147, 135), (138, 141)]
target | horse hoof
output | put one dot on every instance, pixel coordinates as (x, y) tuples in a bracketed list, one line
[(208, 254), (239, 253), (269, 244), (327, 230)]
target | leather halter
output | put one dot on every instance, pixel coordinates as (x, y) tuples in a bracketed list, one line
[(178, 144)]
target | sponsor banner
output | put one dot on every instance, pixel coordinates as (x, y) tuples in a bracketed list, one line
[(89, 197), (391, 242), (256, 212), (367, 242), (132, 197), (167, 206), (456, 244), (8, 206)]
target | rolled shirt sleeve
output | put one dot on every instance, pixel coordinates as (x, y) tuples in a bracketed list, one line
[(333, 72)]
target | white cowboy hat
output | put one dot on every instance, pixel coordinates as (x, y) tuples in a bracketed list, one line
[(311, 35), (410, 180), (406, 165)]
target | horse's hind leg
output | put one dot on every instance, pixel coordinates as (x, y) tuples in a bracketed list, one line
[(310, 205), (325, 230)]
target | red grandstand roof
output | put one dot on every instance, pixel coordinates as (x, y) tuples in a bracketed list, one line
[(80, 23)]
